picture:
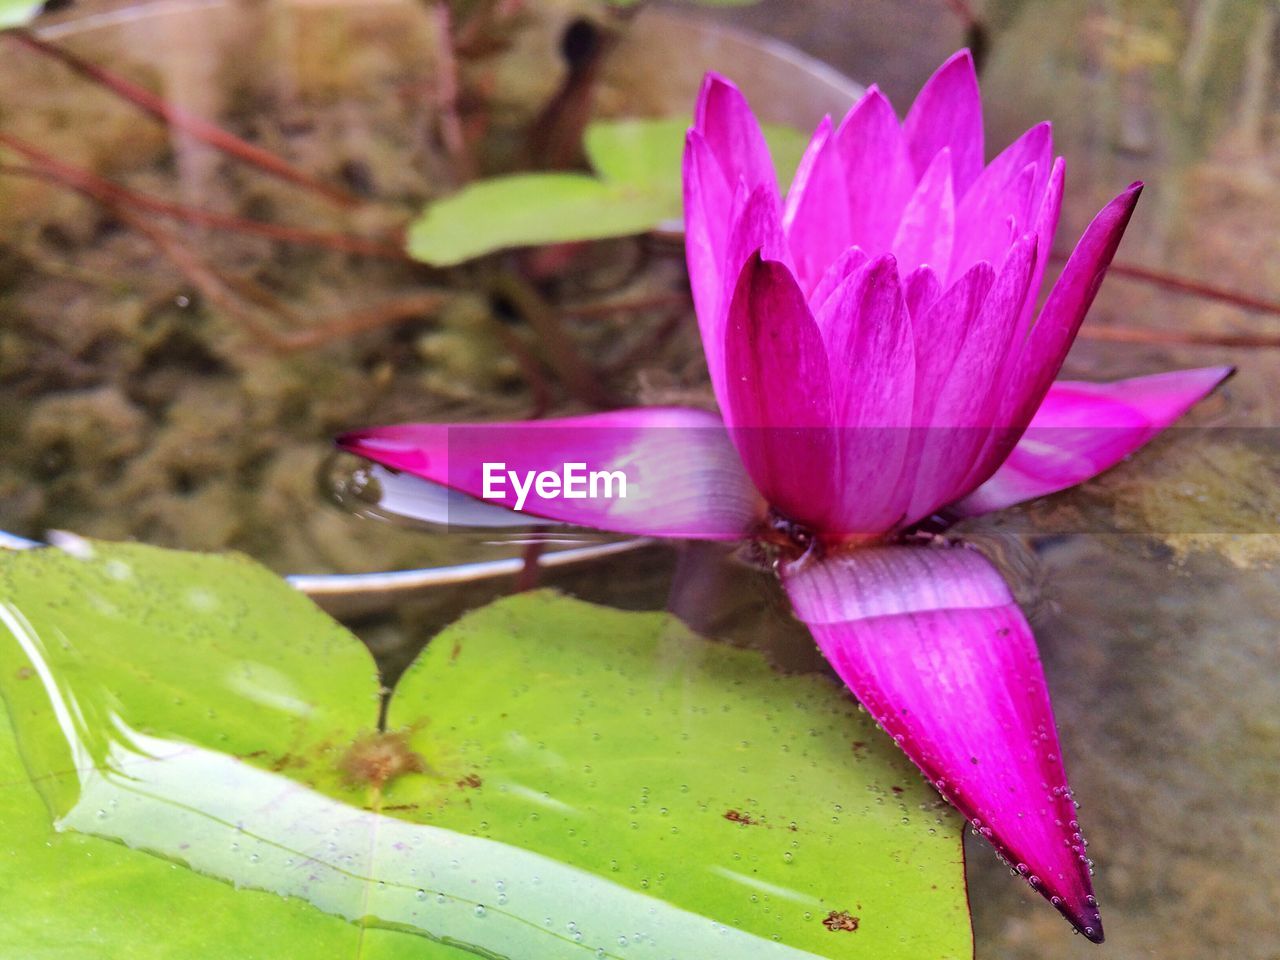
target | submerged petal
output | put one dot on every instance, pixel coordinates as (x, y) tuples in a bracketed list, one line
[(932, 643), (680, 476), (948, 113), (1082, 429)]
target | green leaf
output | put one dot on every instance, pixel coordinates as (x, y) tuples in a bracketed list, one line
[(17, 13), (189, 759), (636, 188), (637, 151), (535, 208)]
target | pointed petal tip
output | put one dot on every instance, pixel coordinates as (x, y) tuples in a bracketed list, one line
[(963, 55), (933, 645), (1085, 917), (351, 441), (393, 446)]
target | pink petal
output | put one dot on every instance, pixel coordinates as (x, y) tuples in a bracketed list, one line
[(755, 227), (683, 477), (1030, 370), (948, 113), (966, 337), (1000, 205), (872, 354), (928, 226), (779, 412), (708, 209), (1046, 225), (933, 645), (845, 266), (1069, 301), (877, 171), (725, 120), (920, 288), (816, 217), (1082, 429)]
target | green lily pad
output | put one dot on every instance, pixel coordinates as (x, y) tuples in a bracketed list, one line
[(636, 187), (17, 13), (190, 759)]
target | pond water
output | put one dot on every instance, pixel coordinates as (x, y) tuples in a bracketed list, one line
[(135, 405)]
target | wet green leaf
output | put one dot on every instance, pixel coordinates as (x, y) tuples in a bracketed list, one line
[(189, 758), (636, 187), (16, 13)]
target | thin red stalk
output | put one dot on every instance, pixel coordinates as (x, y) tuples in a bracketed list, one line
[(530, 369), (362, 321), (446, 93), (527, 579), (610, 308), (962, 10), (199, 274), (1180, 284), (1122, 334), (562, 355), (221, 292), (1170, 281), (99, 188), (190, 124)]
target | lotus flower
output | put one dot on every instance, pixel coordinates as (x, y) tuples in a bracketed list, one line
[(877, 359)]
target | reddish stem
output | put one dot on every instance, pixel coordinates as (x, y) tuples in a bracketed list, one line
[(528, 577), (609, 308), (221, 291), (107, 191), (190, 124), (1122, 334), (1170, 281), (447, 92)]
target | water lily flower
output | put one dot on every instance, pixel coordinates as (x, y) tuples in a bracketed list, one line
[(878, 360)]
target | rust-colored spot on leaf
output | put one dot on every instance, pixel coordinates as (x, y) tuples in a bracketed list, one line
[(737, 816), (379, 758), (287, 761), (469, 781), (838, 920), (859, 745), (896, 789), (24, 673)]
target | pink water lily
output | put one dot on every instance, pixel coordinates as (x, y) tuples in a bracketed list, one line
[(878, 361)]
